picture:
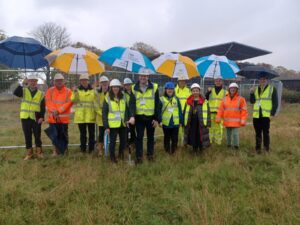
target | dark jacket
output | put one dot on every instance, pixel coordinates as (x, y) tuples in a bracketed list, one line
[(274, 100), (157, 110), (171, 124), (203, 130), (19, 93)]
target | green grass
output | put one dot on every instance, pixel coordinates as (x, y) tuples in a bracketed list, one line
[(219, 187)]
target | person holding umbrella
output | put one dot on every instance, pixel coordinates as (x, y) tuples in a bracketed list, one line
[(84, 98), (233, 112), (182, 92), (265, 102), (197, 120), (171, 117), (99, 100), (58, 103), (146, 113), (115, 117), (214, 96), (32, 114)]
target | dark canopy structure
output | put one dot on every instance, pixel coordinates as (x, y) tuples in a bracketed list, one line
[(233, 50)]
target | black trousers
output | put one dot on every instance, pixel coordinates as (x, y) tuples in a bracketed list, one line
[(170, 139), (30, 127), (83, 127), (113, 138), (101, 134), (262, 127), (140, 127)]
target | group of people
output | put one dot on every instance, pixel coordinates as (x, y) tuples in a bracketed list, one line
[(127, 110)]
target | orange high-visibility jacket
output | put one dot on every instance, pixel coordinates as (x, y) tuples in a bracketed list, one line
[(59, 100), (233, 111)]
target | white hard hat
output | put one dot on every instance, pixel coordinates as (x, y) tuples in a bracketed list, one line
[(59, 76), (218, 77), (195, 85), (182, 77), (115, 82), (127, 81), (233, 85), (145, 71), (32, 77), (104, 79), (84, 77)]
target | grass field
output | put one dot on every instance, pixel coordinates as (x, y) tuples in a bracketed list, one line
[(219, 187)]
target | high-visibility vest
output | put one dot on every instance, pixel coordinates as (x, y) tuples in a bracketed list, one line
[(215, 99), (145, 102), (30, 105), (99, 100), (170, 109), (204, 113), (127, 97), (116, 112), (263, 101), (84, 109), (182, 94)]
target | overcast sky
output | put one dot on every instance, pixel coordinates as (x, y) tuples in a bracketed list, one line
[(168, 25)]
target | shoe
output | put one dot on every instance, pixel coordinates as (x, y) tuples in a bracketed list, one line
[(138, 161), (55, 152), (39, 153), (236, 147), (29, 154), (150, 158)]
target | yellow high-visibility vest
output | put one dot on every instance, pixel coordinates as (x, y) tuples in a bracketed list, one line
[(215, 99), (84, 109), (116, 113), (204, 113), (170, 108), (30, 105), (145, 102), (99, 100), (182, 94), (263, 101)]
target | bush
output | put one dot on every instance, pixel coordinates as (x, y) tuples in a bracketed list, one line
[(290, 96)]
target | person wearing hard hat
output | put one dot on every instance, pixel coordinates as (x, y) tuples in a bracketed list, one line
[(100, 94), (58, 104), (115, 117), (145, 106), (84, 116), (233, 112), (32, 114), (197, 120), (265, 103), (171, 117), (131, 135), (182, 92), (214, 96)]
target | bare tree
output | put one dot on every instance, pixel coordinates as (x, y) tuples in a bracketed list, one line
[(52, 36), (146, 49)]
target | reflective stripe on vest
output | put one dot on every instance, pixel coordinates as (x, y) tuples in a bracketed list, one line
[(215, 99), (170, 109), (263, 101), (116, 112), (30, 105), (145, 102), (204, 113)]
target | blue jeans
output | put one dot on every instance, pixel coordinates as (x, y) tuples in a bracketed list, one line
[(140, 127)]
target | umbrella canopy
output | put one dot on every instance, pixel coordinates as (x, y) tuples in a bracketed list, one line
[(255, 72), (59, 139), (25, 53), (75, 61), (215, 66), (175, 65), (126, 58)]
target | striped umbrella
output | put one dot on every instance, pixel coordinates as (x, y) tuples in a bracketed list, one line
[(174, 65), (126, 58), (75, 61), (217, 66)]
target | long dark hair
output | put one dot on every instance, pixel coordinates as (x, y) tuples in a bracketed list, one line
[(112, 95)]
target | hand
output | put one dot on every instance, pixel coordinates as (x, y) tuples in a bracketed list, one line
[(107, 130), (209, 89), (40, 120), (252, 90), (131, 120), (154, 123), (74, 88)]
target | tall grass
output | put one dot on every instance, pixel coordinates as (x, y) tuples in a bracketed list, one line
[(221, 186)]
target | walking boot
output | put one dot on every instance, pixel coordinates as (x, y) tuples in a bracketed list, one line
[(29, 154), (39, 153)]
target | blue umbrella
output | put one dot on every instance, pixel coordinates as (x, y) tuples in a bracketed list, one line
[(215, 66), (106, 143), (26, 53), (126, 58), (59, 139)]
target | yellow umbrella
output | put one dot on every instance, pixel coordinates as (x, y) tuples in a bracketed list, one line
[(174, 65), (75, 61)]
